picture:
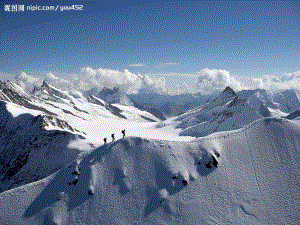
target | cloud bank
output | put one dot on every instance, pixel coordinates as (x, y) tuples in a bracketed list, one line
[(212, 80), (206, 81), (28, 82), (126, 81), (286, 81)]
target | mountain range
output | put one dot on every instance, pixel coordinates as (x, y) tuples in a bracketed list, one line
[(225, 158)]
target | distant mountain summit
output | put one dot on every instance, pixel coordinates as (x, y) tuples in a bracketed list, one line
[(226, 112), (233, 115), (47, 91), (230, 110), (228, 92), (289, 100)]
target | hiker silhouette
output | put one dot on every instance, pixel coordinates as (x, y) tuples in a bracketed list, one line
[(104, 139), (123, 132), (113, 137)]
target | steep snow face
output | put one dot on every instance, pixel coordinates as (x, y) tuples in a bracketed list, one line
[(225, 112), (289, 101), (11, 92), (48, 92), (235, 114), (207, 111), (249, 105), (54, 102), (32, 131), (25, 145), (265, 102), (144, 181), (259, 100)]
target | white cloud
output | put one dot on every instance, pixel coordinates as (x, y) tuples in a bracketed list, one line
[(125, 80), (211, 80), (27, 82), (181, 88), (138, 65), (271, 82), (161, 65), (154, 84), (58, 82), (207, 81)]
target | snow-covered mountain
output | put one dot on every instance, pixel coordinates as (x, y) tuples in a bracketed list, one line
[(41, 125), (225, 112), (230, 111), (115, 95), (50, 93), (54, 168), (267, 103), (294, 116), (144, 181), (259, 99), (289, 100), (234, 115)]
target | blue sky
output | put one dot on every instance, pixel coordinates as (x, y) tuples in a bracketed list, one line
[(248, 39)]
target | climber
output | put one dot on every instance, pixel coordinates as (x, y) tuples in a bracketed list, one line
[(123, 132), (104, 139), (113, 137)]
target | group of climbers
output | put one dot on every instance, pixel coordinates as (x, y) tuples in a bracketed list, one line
[(113, 137)]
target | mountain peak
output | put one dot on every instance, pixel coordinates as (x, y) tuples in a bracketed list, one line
[(45, 84), (229, 90)]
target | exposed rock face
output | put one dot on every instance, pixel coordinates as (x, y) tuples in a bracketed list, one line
[(25, 144)]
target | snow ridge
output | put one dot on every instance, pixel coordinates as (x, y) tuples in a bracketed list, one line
[(144, 181)]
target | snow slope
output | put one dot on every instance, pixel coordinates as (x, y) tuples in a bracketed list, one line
[(56, 126), (226, 112), (141, 181), (230, 111), (289, 100), (285, 101), (235, 114)]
